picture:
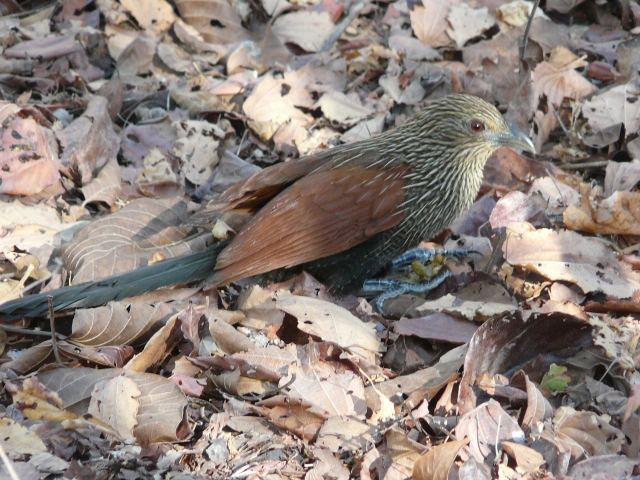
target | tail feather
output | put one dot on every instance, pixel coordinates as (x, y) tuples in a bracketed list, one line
[(176, 271)]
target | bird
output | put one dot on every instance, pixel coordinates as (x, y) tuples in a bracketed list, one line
[(341, 214)]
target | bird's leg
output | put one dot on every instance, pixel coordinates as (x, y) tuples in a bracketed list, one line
[(424, 255), (393, 288), (416, 258)]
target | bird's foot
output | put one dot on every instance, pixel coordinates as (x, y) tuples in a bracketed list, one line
[(393, 288), (424, 255)]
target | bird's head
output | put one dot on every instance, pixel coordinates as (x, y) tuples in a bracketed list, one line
[(469, 128)]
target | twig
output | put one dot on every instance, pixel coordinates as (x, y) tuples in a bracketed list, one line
[(559, 119), (8, 464), (586, 165), (525, 37), (342, 26), (54, 340), (25, 331)]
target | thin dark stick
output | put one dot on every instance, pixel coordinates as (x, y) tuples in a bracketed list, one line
[(525, 37), (25, 331), (54, 340)]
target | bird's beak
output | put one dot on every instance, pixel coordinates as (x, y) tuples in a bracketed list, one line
[(515, 139)]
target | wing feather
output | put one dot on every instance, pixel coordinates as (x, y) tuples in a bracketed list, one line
[(324, 213)]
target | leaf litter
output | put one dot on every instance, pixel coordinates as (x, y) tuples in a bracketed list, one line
[(127, 116)]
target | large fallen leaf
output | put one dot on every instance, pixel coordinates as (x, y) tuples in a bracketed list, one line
[(435, 464), (619, 105), (619, 214), (557, 78), (481, 299), (216, 20), (332, 323), (504, 345), (161, 405), (128, 239), (429, 21), (571, 257), (467, 23), (486, 426), (308, 30), (27, 163)]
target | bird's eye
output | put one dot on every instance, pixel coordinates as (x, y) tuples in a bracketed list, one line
[(477, 126)]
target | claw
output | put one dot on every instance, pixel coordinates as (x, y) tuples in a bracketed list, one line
[(425, 255), (393, 288)]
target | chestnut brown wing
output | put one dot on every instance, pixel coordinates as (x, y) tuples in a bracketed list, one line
[(324, 213)]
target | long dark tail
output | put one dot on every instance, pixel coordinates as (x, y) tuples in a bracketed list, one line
[(176, 271)]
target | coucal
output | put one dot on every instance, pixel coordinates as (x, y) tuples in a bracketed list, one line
[(342, 214)]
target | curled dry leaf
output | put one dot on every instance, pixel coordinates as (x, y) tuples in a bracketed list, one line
[(435, 464), (569, 256), (527, 459), (89, 142), (503, 345), (621, 177), (486, 426), (105, 187), (582, 432), (617, 214)]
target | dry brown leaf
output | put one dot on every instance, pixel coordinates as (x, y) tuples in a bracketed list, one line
[(308, 30), (90, 141), (27, 163), (18, 440), (621, 176), (618, 214), (343, 109), (435, 464), (115, 403), (129, 239), (527, 458), (155, 16), (558, 80), (485, 426), (429, 21), (467, 23), (197, 148), (481, 299), (161, 414), (335, 393), (569, 256), (617, 105), (583, 432), (274, 101), (332, 323), (216, 20), (105, 187)]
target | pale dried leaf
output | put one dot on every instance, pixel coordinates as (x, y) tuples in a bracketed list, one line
[(105, 187), (429, 22), (568, 256), (617, 105), (115, 403), (435, 464), (467, 23), (618, 214), (308, 30), (332, 323)]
